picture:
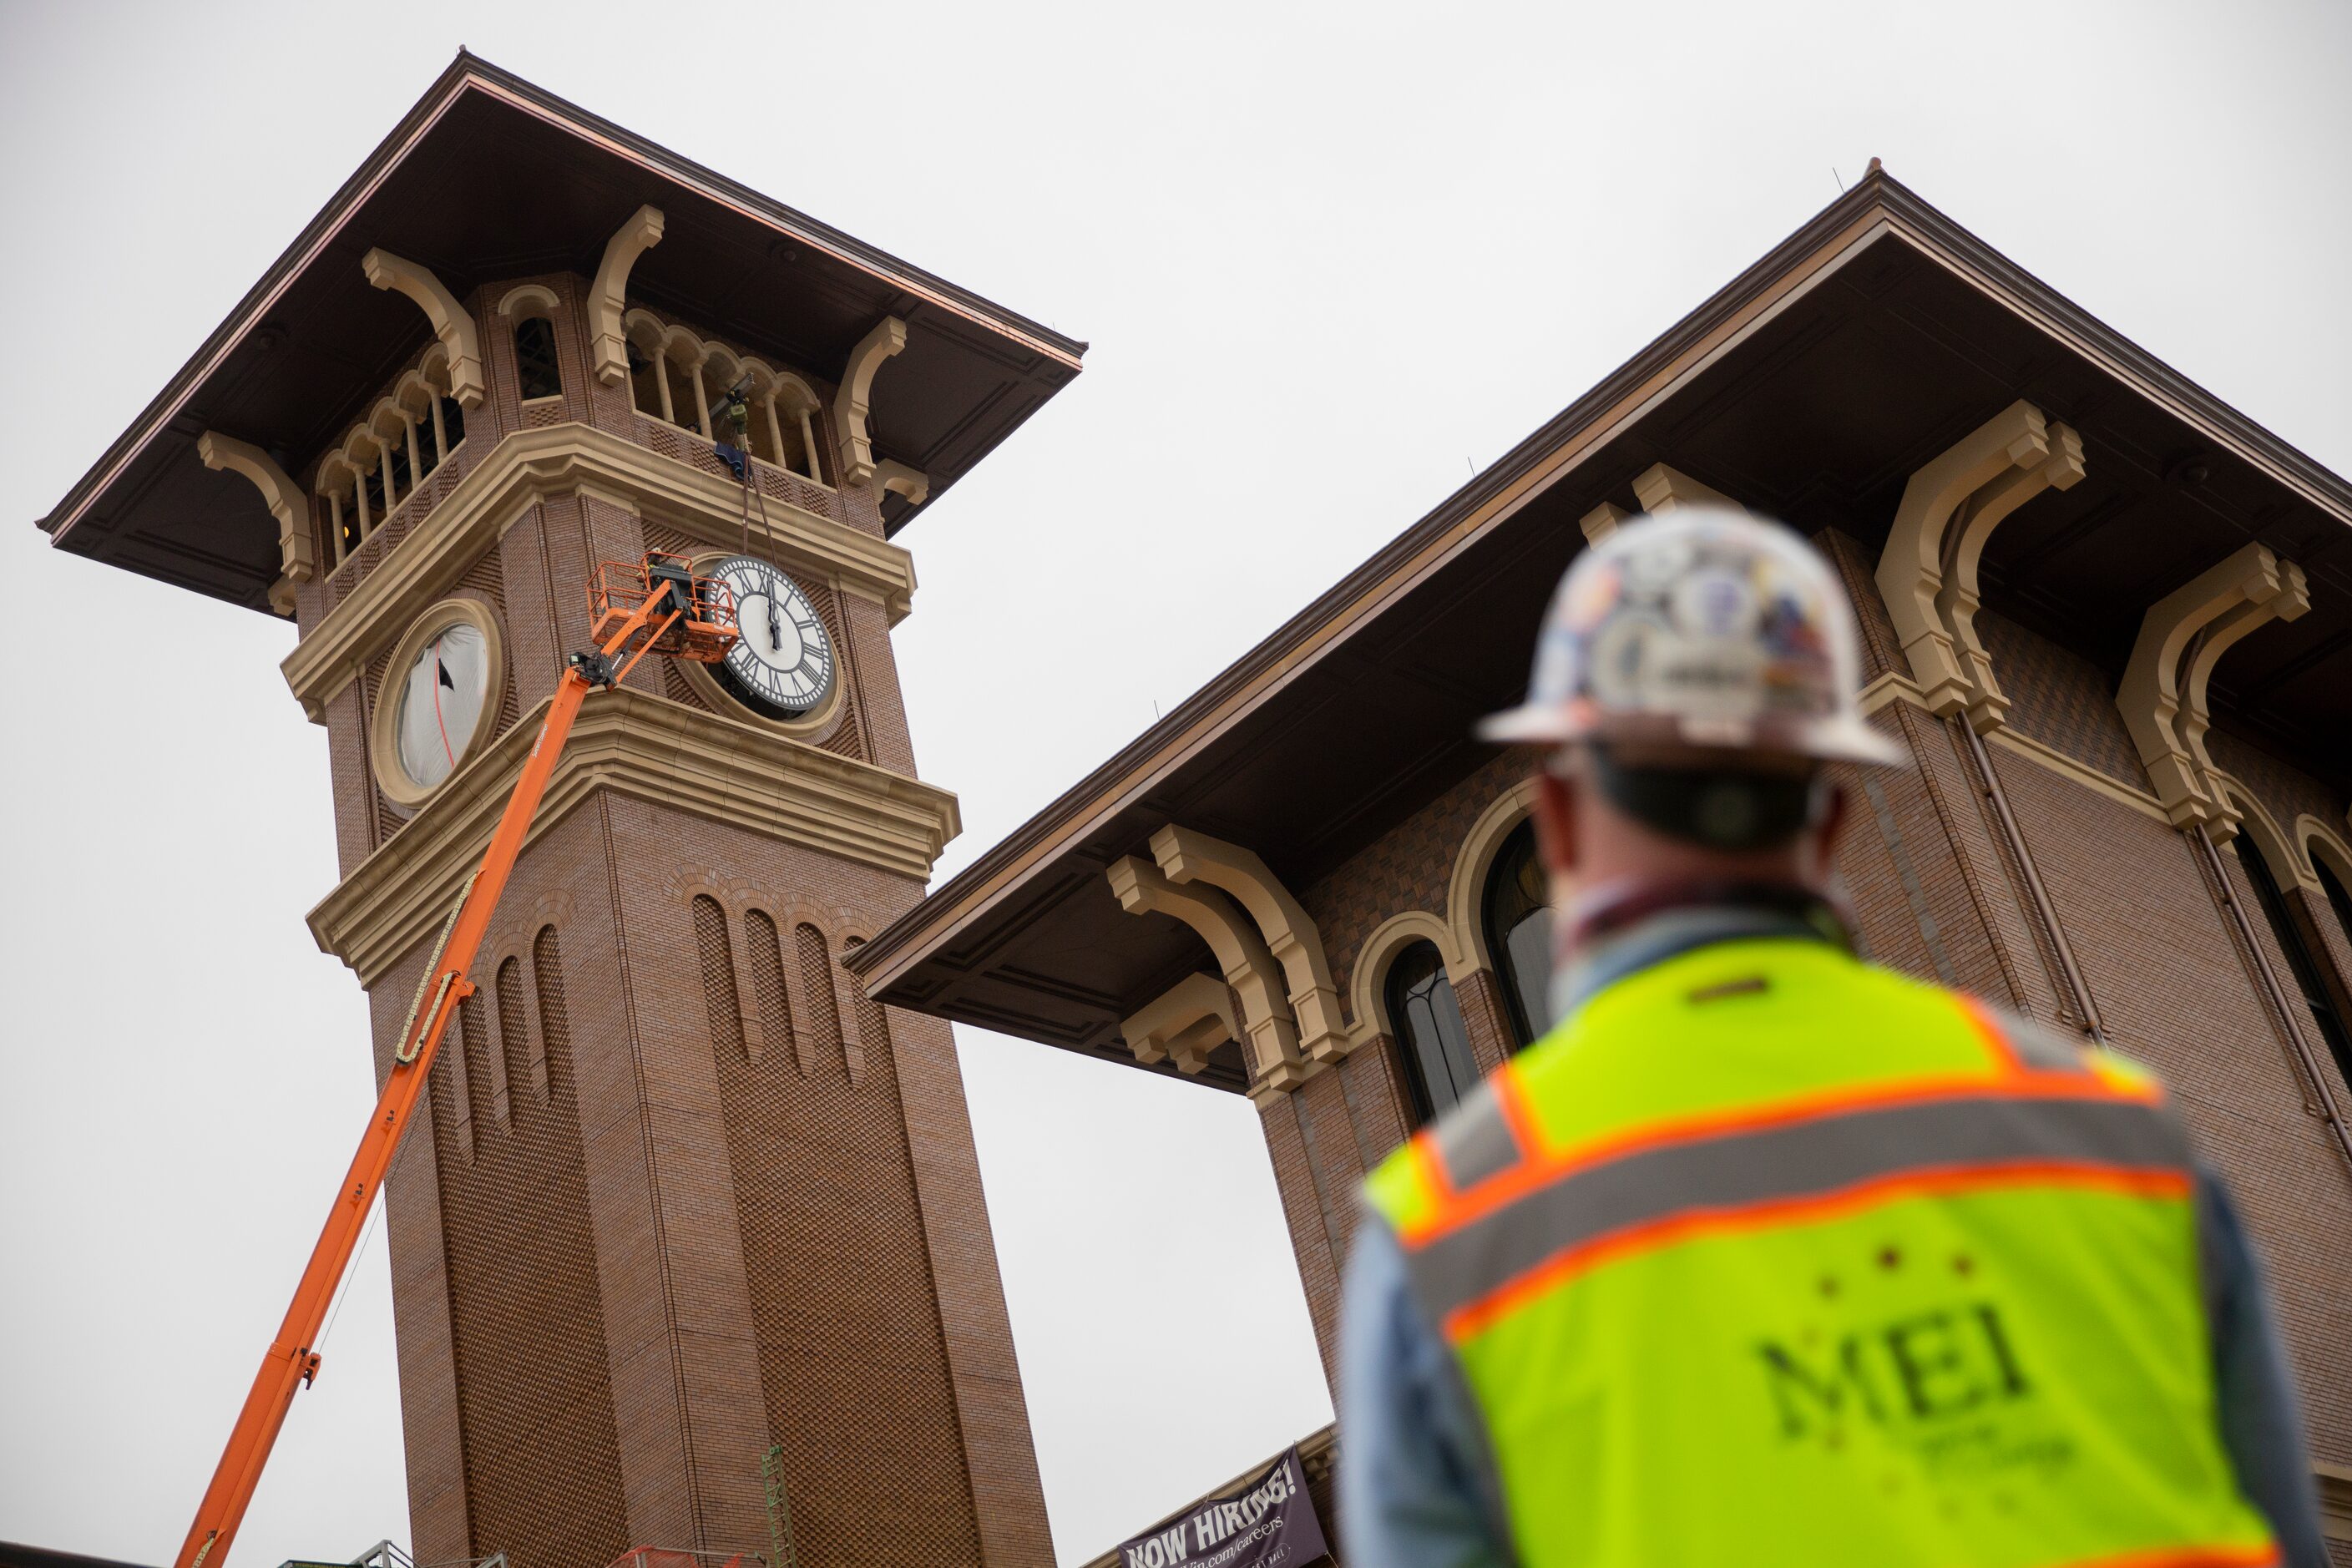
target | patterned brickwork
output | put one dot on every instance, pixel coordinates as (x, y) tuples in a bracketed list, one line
[(2282, 790), (1407, 868), (843, 1308), (540, 1452), (640, 1242), (1310, 1236), (2062, 700)]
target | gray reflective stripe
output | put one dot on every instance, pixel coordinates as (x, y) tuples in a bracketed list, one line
[(1474, 1140), (1807, 1158), (2044, 1050)]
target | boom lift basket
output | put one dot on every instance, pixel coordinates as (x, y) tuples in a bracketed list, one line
[(620, 587)]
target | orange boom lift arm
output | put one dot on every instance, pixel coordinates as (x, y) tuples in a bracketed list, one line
[(655, 607)]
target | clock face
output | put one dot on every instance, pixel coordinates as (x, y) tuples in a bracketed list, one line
[(781, 663), (441, 697)]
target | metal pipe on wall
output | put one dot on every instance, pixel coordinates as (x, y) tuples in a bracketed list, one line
[(2043, 910), (2313, 1074)]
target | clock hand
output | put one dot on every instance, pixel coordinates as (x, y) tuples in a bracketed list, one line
[(441, 674)]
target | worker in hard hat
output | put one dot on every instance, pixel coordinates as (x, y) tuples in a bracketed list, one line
[(1764, 1255)]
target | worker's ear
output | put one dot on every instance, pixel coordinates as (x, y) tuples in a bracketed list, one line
[(1555, 819)]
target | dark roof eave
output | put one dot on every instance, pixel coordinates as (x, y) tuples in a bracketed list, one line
[(1162, 747), (469, 71)]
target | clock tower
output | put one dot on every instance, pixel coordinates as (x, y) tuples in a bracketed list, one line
[(688, 1247)]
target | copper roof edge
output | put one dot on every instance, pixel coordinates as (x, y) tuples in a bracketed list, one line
[(470, 71), (1844, 225)]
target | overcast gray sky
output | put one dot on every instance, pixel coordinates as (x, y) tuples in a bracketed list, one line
[(1330, 260)]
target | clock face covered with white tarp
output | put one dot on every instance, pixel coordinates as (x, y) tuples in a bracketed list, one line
[(781, 663)]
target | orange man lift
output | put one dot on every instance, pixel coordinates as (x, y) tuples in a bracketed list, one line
[(658, 606)]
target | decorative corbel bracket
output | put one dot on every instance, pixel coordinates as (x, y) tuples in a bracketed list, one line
[(1186, 856), (1958, 601), (1911, 570), (1183, 1023), (450, 322), (297, 560), (1270, 1037), (608, 298), (1602, 521), (2288, 603), (2181, 637), (894, 478), (1661, 490), (853, 405)]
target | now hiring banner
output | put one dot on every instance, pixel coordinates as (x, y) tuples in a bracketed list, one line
[(1267, 1522)]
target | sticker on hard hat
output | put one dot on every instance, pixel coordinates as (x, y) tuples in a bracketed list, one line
[(1726, 630)]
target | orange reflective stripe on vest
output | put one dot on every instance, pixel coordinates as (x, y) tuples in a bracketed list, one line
[(1475, 1258)]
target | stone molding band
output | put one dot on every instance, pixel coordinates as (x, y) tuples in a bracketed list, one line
[(682, 758), (532, 466)]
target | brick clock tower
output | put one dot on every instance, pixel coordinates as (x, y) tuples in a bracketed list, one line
[(690, 1226)]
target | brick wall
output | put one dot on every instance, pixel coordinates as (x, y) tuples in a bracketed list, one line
[(665, 1213)]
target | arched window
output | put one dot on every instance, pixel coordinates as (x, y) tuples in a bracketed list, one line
[(514, 1033), (768, 979), (554, 1022), (816, 984), (718, 975), (1431, 1039), (684, 408), (2299, 957), (1518, 915), (396, 473), (2338, 899), (452, 425), (535, 366)]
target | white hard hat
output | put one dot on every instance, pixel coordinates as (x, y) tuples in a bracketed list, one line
[(1708, 628)]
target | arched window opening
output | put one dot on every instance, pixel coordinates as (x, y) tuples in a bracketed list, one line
[(2338, 899), (535, 367), (718, 975), (768, 981), (1432, 1042), (684, 411), (395, 459), (1517, 913), (428, 450), (514, 1033), (452, 425), (2299, 958), (554, 1022), (816, 984), (373, 483), (761, 435), (646, 381), (481, 1088)]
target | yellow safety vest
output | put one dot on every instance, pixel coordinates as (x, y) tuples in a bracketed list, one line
[(1767, 1256)]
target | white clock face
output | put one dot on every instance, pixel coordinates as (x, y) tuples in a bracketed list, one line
[(440, 700), (781, 663)]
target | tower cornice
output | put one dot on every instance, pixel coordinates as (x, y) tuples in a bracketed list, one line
[(533, 466), (682, 758)]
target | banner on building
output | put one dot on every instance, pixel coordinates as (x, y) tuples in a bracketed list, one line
[(1267, 1522)]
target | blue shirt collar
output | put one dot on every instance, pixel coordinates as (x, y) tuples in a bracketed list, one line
[(1667, 933)]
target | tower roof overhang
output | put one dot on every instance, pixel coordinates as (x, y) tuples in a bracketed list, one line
[(1810, 387), (488, 177)]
